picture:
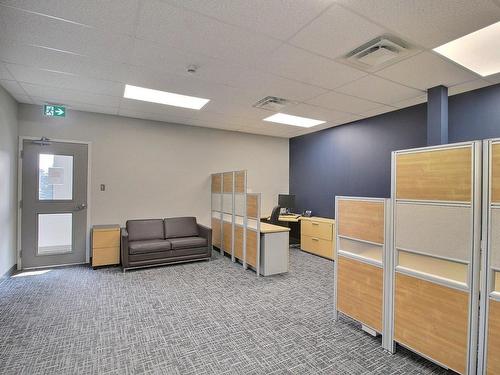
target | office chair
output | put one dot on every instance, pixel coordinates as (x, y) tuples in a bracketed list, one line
[(275, 214)]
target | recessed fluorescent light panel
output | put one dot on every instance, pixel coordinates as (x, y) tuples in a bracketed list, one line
[(163, 97), (283, 118), (478, 51)]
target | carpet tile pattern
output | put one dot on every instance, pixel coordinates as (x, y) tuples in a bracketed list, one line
[(197, 318)]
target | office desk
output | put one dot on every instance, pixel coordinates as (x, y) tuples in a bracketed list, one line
[(274, 249), (286, 218)]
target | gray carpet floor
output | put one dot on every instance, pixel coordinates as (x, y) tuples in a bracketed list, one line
[(198, 318)]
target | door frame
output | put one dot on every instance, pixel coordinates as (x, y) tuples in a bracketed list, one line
[(23, 138)]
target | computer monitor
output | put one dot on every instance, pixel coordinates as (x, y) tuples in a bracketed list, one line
[(286, 201)]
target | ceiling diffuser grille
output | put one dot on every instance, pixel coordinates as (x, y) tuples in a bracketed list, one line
[(378, 53)]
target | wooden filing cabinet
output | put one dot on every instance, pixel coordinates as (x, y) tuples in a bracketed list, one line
[(105, 245), (318, 236)]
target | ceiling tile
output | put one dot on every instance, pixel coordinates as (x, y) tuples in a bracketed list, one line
[(411, 102), (378, 111), (176, 27), (429, 23), (278, 18), (301, 65), (4, 73), (30, 28), (494, 78), (159, 109), (63, 96), (468, 86), (169, 118), (336, 32), (110, 15), (49, 59), (379, 90), (316, 112), (13, 87), (343, 103), (23, 99), (426, 70), (65, 81)]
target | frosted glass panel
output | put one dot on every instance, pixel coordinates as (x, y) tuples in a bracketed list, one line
[(363, 249), (239, 204), (433, 266), (227, 203), (55, 233), (439, 230), (495, 238), (216, 202), (55, 177)]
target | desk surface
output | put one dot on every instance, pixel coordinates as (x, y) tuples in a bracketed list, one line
[(297, 218), (271, 228)]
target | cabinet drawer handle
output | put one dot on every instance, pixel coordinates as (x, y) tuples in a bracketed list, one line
[(315, 223), (315, 239)]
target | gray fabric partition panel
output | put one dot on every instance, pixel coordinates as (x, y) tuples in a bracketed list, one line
[(433, 229), (495, 238)]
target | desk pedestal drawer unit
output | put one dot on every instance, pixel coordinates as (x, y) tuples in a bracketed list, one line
[(105, 245), (436, 202), (362, 264), (317, 236)]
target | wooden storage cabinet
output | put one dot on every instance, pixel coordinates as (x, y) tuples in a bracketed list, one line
[(318, 236), (105, 245)]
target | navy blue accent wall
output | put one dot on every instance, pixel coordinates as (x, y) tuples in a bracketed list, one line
[(352, 159), (474, 115), (355, 159)]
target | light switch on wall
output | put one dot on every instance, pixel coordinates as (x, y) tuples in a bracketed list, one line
[(103, 187)]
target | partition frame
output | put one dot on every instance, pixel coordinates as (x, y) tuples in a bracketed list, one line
[(385, 264), (488, 276), (221, 213), (257, 230), (473, 272)]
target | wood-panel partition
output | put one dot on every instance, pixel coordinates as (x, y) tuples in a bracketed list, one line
[(436, 203), (362, 264), (489, 332), (236, 218)]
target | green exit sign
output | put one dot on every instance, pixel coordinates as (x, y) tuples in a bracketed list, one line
[(54, 110)]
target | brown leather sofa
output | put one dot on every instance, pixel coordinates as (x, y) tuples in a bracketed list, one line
[(155, 242)]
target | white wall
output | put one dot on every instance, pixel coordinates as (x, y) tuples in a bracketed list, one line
[(8, 181), (154, 169)]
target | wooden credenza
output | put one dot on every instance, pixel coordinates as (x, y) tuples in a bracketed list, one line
[(105, 245), (318, 236)]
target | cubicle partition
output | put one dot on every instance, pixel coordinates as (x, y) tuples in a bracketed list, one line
[(216, 210), (363, 273), (252, 246), (436, 202), (235, 218), (489, 334)]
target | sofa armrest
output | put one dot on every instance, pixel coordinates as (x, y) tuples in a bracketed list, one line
[(206, 233), (124, 248)]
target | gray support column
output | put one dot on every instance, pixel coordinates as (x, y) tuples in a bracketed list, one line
[(437, 115)]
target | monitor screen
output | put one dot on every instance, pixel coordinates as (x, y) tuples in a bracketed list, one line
[(286, 201)]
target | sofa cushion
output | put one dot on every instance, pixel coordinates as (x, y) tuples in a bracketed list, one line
[(148, 246), (176, 227), (151, 229), (187, 242)]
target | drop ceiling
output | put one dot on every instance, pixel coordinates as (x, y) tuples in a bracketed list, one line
[(82, 53)]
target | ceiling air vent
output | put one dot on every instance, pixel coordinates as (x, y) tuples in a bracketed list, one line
[(272, 103), (379, 53)]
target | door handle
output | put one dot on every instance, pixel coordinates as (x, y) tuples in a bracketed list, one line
[(81, 206)]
